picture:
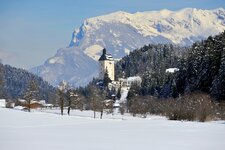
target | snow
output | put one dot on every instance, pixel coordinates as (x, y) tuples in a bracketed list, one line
[(124, 93), (2, 102), (172, 70), (43, 102), (185, 22), (78, 68), (127, 51), (34, 102), (134, 79), (47, 105), (122, 32), (22, 100), (43, 131), (93, 51), (116, 104), (19, 108), (56, 60)]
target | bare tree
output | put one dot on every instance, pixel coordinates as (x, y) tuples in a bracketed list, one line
[(69, 96), (62, 89), (72, 97), (31, 93), (97, 96), (93, 106), (61, 100), (101, 113)]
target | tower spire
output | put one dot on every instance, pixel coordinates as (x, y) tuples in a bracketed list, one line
[(104, 51)]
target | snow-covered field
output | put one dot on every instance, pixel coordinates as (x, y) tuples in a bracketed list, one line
[(48, 130)]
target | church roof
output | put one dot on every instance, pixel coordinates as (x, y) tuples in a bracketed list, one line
[(105, 56)]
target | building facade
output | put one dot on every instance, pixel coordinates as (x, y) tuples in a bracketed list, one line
[(106, 62)]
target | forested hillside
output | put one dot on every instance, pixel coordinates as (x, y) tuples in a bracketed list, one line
[(204, 69), (201, 68), (151, 59), (151, 62), (14, 84)]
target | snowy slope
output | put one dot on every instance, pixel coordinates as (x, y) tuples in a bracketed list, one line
[(43, 131), (122, 32), (124, 93), (71, 65)]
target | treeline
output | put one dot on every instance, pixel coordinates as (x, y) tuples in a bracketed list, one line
[(151, 59), (91, 97), (150, 63), (18, 83), (204, 69), (14, 84), (201, 68)]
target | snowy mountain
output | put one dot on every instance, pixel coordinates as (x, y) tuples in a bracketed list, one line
[(69, 64), (122, 32)]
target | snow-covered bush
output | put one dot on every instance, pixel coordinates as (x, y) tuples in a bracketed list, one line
[(191, 107), (197, 106)]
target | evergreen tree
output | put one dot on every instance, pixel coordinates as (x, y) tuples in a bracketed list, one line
[(205, 66), (181, 77), (2, 83), (133, 92), (218, 87), (106, 79), (118, 95)]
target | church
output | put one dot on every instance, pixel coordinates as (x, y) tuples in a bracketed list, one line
[(106, 62)]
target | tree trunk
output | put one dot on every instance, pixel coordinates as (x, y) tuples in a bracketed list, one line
[(94, 113), (69, 106), (29, 105), (61, 106), (101, 114)]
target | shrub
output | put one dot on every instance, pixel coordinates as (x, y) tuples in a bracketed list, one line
[(196, 106)]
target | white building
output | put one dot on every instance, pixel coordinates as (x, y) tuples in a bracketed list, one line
[(106, 65)]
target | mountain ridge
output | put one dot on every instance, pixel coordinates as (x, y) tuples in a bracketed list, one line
[(121, 32), (126, 18)]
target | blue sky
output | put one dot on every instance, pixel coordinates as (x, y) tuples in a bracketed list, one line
[(32, 30)]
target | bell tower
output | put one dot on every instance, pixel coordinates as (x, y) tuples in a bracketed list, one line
[(106, 62)]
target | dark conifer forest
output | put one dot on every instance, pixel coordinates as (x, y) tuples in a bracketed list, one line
[(201, 68), (14, 83)]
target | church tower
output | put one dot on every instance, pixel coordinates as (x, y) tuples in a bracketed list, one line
[(106, 62)]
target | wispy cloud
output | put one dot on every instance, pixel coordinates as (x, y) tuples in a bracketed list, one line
[(4, 55), (10, 58)]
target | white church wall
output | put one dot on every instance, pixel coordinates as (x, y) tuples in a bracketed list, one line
[(109, 66)]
